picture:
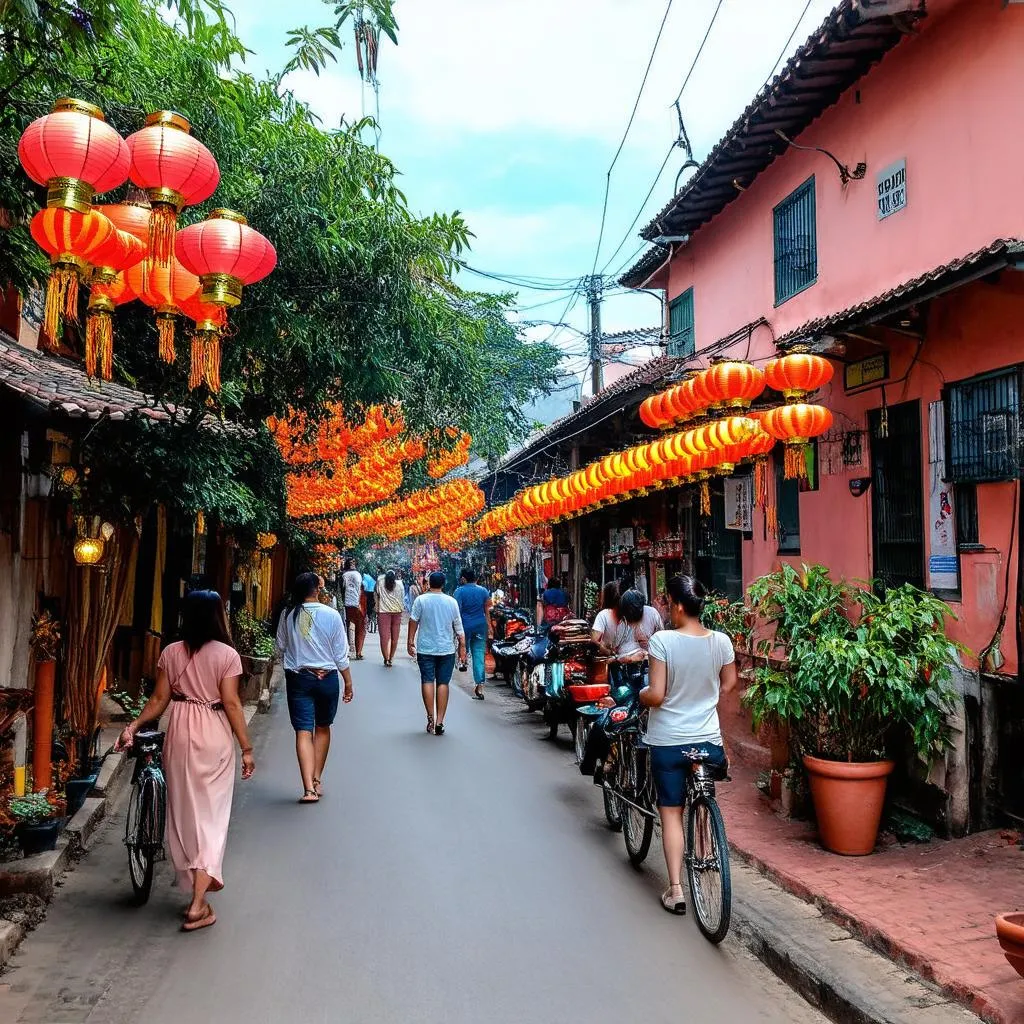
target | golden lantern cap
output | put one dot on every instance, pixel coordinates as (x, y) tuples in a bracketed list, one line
[(169, 119), (223, 213), (79, 107)]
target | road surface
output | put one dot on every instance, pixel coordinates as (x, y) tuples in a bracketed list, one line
[(464, 878)]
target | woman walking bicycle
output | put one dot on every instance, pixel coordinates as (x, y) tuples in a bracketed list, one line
[(689, 667), (198, 677)]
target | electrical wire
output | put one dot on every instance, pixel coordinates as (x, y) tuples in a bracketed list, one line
[(700, 50), (539, 284), (622, 141), (785, 49)]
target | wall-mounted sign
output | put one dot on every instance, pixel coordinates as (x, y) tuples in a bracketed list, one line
[(867, 371), (739, 503), (891, 189)]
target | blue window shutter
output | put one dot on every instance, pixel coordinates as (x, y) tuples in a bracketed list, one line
[(681, 339), (796, 243)]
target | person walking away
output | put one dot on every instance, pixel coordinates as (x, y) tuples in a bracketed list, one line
[(313, 642), (390, 603), (369, 589), (690, 667), (624, 634), (552, 605), (412, 593), (198, 677), (352, 594), (435, 619), (475, 607)]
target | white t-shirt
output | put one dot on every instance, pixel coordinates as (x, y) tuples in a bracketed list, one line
[(690, 711), (352, 582), (315, 637), (440, 621), (624, 638), (389, 601)]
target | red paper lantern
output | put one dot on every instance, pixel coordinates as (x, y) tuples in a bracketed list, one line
[(119, 252), (795, 425), (734, 384), (99, 328), (226, 254), (798, 374), (70, 238), (175, 169), (165, 289), (74, 153), (647, 414), (130, 217)]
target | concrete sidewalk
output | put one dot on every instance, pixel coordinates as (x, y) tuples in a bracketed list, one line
[(930, 907)]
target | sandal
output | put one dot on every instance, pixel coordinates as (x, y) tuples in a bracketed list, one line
[(430, 725), (672, 903), (318, 787), (478, 694), (309, 796), (206, 918), (439, 729)]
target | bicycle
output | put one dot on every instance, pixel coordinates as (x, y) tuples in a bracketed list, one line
[(147, 812)]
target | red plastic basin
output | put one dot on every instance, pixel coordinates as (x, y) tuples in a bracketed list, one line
[(587, 693)]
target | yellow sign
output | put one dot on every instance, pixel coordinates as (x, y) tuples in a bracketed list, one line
[(867, 371)]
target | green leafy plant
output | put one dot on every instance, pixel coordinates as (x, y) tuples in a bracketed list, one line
[(730, 617), (252, 637), (133, 705), (850, 671), (45, 637), (32, 809)]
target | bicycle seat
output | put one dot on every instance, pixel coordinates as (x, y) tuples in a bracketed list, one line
[(147, 743), (718, 770)]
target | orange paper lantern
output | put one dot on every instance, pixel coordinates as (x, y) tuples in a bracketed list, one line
[(735, 384), (164, 289), (99, 328), (798, 374), (795, 425)]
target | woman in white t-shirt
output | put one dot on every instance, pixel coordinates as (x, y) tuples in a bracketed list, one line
[(625, 633), (689, 667)]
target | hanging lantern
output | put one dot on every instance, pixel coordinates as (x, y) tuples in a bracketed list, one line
[(204, 360), (88, 551), (99, 328), (132, 217), (652, 411), (735, 384), (226, 254), (795, 425), (164, 289), (70, 238), (798, 374), (726, 436), (682, 401), (118, 253), (175, 169), (74, 153)]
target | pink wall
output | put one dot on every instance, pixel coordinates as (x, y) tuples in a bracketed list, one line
[(945, 100)]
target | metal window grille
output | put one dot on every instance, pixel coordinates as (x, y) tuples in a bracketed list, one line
[(796, 243), (983, 428), (681, 340)]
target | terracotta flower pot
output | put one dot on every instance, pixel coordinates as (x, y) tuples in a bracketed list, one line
[(848, 799), (1010, 930)]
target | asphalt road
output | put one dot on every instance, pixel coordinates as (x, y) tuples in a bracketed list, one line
[(464, 878)]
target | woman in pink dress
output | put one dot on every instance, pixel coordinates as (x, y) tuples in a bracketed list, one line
[(198, 677)]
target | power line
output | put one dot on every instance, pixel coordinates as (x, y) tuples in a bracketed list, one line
[(622, 141), (785, 49), (539, 284), (700, 50)]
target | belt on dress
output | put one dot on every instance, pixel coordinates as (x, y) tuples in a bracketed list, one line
[(212, 705)]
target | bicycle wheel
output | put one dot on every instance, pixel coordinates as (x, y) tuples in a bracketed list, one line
[(612, 804), (144, 833), (707, 868), (580, 734), (637, 826)]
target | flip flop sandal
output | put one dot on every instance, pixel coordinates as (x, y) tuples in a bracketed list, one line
[(673, 904), (205, 920), (309, 796), (430, 726), (318, 787)]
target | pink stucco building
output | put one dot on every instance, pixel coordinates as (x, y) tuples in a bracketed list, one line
[(870, 205)]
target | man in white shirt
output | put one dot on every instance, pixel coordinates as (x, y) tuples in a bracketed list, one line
[(435, 618), (352, 595)]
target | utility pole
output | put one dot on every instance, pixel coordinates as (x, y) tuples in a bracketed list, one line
[(594, 284)]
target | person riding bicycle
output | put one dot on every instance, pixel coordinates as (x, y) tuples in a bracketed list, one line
[(690, 666), (624, 632)]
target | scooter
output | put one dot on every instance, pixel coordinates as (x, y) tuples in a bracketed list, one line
[(510, 625), (569, 680)]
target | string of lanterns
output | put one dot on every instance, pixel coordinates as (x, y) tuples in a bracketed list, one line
[(445, 461), (133, 250)]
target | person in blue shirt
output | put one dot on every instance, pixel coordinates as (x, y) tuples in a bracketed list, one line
[(370, 591), (475, 606), (552, 605)]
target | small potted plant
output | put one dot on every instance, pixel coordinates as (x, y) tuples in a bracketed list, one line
[(37, 824), (257, 649), (730, 617), (860, 673)]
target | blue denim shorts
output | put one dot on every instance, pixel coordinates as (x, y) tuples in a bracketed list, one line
[(312, 701), (671, 765), (436, 668)]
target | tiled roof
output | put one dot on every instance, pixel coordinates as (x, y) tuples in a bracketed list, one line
[(1000, 254), (856, 35), (61, 386), (612, 399), (644, 267), (644, 336)]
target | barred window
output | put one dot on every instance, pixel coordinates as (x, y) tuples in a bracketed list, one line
[(796, 243), (983, 425), (681, 340)]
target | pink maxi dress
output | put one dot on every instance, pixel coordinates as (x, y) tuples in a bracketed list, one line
[(199, 759)]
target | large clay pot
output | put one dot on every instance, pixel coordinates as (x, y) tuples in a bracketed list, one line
[(1010, 930), (848, 799)]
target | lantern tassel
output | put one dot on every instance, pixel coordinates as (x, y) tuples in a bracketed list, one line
[(796, 462), (165, 334), (61, 299), (212, 361), (705, 498), (761, 483), (162, 223), (99, 344), (195, 371)]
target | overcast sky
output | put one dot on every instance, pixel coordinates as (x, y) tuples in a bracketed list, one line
[(511, 111)]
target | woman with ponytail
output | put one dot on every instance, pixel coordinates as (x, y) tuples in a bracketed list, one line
[(689, 667)]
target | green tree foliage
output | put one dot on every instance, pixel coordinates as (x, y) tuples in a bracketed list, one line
[(362, 306)]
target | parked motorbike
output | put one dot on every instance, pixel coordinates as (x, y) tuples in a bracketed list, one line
[(571, 679), (510, 625)]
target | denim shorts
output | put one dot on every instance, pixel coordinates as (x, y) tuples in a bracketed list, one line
[(671, 765), (436, 668), (312, 701)]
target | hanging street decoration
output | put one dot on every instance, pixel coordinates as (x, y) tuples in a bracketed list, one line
[(445, 461)]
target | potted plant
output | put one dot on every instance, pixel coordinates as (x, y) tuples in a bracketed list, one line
[(730, 617), (37, 823), (45, 643), (256, 646), (859, 673)]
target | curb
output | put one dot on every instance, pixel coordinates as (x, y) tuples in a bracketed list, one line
[(826, 964)]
